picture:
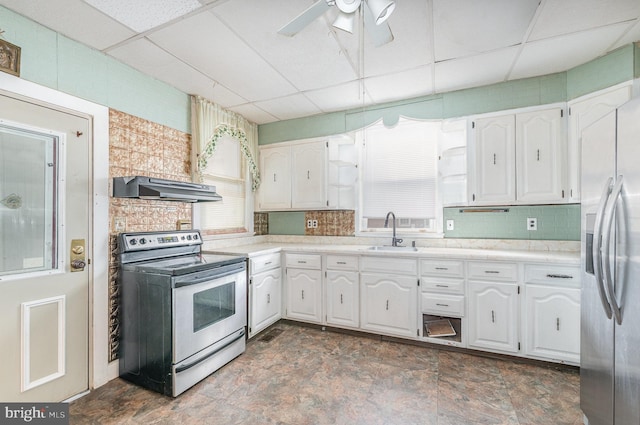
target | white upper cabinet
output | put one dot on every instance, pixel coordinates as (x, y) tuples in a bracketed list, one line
[(540, 156), (494, 176), (275, 168), (308, 180), (582, 113), (519, 159)]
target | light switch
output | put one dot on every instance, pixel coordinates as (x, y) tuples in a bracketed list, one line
[(450, 225)]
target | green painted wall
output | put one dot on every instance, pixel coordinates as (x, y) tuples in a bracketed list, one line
[(286, 223), (555, 222), (57, 62)]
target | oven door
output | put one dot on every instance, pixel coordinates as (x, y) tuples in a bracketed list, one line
[(207, 307)]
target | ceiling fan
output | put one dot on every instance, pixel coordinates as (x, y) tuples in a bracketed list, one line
[(375, 14)]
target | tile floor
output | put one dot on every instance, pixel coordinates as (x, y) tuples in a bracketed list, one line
[(307, 376)]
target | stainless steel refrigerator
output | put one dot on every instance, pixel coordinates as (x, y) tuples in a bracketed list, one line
[(610, 259)]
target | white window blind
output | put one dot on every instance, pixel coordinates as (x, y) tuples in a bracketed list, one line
[(400, 172), (226, 172)]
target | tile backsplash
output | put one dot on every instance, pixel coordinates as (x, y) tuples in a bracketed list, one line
[(141, 147)]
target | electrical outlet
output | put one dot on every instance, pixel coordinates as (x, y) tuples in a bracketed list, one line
[(450, 225), (309, 224), (532, 223), (314, 224)]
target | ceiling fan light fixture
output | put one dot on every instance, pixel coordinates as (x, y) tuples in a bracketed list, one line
[(344, 22), (348, 6), (381, 9)]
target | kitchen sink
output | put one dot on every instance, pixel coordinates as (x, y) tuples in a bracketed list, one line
[(393, 248)]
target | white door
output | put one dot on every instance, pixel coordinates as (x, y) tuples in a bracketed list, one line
[(494, 177), (44, 238), (265, 296), (275, 189), (540, 156), (493, 316), (389, 304), (308, 180), (304, 292), (343, 298)]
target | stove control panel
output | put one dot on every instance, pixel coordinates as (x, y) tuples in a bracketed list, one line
[(150, 240)]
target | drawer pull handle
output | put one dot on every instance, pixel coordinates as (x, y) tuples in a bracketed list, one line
[(442, 268), (267, 263), (492, 271), (442, 286), (302, 262), (442, 305), (342, 262), (560, 276)]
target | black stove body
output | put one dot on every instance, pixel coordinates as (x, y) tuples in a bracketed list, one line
[(182, 312)]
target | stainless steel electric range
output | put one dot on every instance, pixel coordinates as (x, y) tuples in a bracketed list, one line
[(182, 313)]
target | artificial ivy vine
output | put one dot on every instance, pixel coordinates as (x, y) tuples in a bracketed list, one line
[(238, 134)]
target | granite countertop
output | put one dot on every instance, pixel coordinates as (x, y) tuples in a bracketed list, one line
[(557, 257)]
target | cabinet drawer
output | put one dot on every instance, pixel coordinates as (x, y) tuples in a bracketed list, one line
[(442, 284), (304, 261), (340, 262), (442, 268), (552, 275), (264, 262), (446, 305), (507, 272), (389, 265)]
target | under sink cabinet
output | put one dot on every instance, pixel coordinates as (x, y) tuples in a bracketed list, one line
[(265, 292)]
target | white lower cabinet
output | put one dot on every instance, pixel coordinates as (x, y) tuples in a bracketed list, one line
[(265, 292), (552, 314), (388, 304), (493, 316), (343, 291), (304, 287)]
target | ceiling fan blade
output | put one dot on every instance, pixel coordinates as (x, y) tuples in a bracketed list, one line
[(380, 34), (305, 18)]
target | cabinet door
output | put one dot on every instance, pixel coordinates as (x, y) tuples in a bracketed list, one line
[(493, 316), (343, 298), (304, 295), (275, 168), (553, 322), (581, 115), (308, 186), (266, 289), (540, 156), (389, 304), (494, 175)]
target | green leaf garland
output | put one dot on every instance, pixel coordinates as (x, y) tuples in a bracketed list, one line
[(238, 134)]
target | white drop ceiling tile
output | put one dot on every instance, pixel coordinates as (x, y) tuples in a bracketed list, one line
[(152, 60), (631, 36), (74, 19), (564, 52), (310, 59), (401, 85), (210, 47), (469, 27), (289, 107), (337, 98), (253, 113), (559, 17), (473, 71)]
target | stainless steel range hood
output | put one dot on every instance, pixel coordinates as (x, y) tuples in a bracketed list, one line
[(165, 190)]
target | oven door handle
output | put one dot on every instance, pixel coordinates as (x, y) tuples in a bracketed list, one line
[(184, 367), (210, 275)]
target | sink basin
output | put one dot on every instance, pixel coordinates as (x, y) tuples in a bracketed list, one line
[(393, 248)]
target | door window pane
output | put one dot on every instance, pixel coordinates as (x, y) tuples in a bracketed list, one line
[(28, 167)]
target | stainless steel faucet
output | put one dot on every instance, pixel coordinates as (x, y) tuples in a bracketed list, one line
[(394, 241)]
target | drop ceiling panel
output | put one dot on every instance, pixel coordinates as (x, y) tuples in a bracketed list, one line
[(152, 60), (401, 85), (309, 60), (559, 17), (75, 19), (563, 52), (468, 27), (341, 97), (473, 71), (210, 47), (294, 106), (632, 35), (253, 113)]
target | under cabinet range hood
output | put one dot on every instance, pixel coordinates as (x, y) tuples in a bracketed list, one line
[(163, 190)]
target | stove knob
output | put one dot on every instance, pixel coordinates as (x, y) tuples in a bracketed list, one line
[(133, 241), (195, 237), (143, 241), (188, 237)]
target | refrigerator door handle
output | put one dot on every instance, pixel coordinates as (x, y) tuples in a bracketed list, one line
[(606, 245), (596, 252)]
